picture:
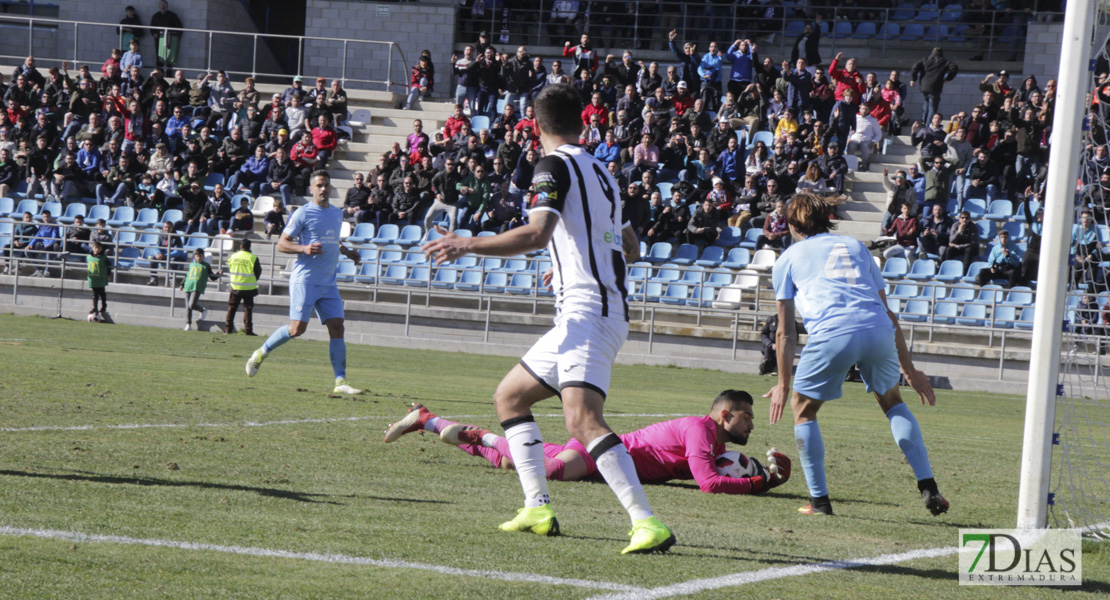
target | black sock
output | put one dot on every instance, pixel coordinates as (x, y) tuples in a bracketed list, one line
[(927, 484), (821, 504)]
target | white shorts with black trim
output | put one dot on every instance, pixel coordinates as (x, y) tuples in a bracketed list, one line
[(578, 352)]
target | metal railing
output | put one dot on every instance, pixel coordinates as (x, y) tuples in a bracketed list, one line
[(616, 24), (209, 61)]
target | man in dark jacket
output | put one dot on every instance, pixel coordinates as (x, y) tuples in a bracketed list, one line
[(279, 178), (932, 71)]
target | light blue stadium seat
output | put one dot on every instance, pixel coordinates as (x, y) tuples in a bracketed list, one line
[(751, 237), (676, 294), (367, 273), (686, 254), (394, 274), (1000, 210), (445, 278), (915, 311), (1025, 321), (842, 29), (55, 209), (894, 304), (409, 235), (793, 29), (905, 11), (122, 216), (976, 207), (1004, 317), (961, 293), (904, 291), (649, 292), (387, 234), (665, 189), (414, 258), (936, 33), (895, 268), (944, 313), (25, 206), (469, 281), (211, 180), (950, 271), (1019, 296), (702, 297), (737, 258), (146, 239), (913, 32), (346, 271), (1015, 229), (730, 236), (146, 217), (712, 256), (973, 271), (972, 314), (495, 283), (1019, 214), (521, 284), (73, 210), (928, 13), (196, 241), (922, 270), (990, 294), (952, 13), (173, 215), (478, 123), (888, 31), (865, 31), (391, 254), (660, 252), (364, 232), (694, 276), (127, 257), (667, 273), (719, 278), (766, 137), (419, 277)]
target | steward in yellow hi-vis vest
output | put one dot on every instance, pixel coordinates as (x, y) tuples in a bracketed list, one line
[(244, 270)]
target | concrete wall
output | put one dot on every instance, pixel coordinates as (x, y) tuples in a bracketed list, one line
[(413, 27), (384, 324), (94, 42)]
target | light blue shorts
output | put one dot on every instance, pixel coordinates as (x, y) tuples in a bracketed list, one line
[(825, 363), (304, 298)]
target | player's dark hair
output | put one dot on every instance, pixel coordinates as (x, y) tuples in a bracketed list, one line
[(245, 245), (732, 399), (810, 214), (559, 110)]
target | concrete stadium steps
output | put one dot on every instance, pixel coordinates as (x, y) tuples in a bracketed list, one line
[(861, 216)]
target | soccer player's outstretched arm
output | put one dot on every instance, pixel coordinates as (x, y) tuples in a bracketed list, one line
[(533, 236), (785, 341), (918, 380)]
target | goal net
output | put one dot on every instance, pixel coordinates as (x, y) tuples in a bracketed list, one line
[(1080, 485)]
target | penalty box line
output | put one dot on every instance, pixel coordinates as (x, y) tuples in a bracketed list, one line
[(695, 586), (292, 422), (73, 536)]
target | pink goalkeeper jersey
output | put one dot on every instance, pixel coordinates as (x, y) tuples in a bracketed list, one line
[(684, 448)]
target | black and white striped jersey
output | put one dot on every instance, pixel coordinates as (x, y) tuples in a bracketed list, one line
[(586, 255)]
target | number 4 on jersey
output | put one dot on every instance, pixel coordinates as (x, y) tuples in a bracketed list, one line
[(839, 265)]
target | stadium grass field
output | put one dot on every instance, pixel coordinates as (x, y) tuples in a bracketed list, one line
[(211, 466)]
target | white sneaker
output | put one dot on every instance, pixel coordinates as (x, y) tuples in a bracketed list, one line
[(37, 273), (341, 387), (45, 273), (188, 327), (203, 314), (254, 362)]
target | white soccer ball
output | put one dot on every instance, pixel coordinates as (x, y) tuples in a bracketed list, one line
[(736, 464), (92, 317)]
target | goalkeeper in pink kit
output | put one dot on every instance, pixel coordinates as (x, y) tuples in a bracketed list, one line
[(684, 448)]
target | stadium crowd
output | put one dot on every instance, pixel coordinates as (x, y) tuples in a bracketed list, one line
[(693, 151)]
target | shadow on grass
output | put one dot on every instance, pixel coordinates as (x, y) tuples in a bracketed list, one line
[(151, 481)]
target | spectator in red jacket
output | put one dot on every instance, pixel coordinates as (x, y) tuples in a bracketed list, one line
[(325, 138), (595, 107), (455, 123), (683, 100), (845, 78)]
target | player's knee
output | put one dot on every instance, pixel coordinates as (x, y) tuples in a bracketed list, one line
[(298, 329), (335, 329)]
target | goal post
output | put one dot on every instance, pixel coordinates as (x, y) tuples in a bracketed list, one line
[(1073, 83)]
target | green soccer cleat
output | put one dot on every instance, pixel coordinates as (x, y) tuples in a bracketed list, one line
[(649, 536), (341, 387), (254, 362), (539, 520)]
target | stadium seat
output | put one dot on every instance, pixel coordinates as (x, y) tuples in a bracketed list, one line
[(922, 270), (952, 13), (492, 263), (932, 293), (364, 232), (1004, 317), (719, 278), (368, 255), (660, 252), (701, 297), (1025, 321), (905, 11), (394, 274), (763, 260), (419, 277), (1019, 214), (521, 284), (686, 254), (410, 234), (127, 257), (467, 233), (144, 260), (904, 291), (915, 311), (367, 273), (147, 239), (956, 33), (1016, 231), (927, 13), (360, 117), (961, 293), (196, 241), (842, 29), (55, 208), (495, 283), (950, 271), (990, 295), (1000, 210), (975, 207), (77, 208), (730, 236), (478, 123), (729, 298), (1019, 296), (346, 271), (766, 137), (262, 205), (650, 292), (889, 31), (145, 218), (793, 29), (936, 33), (894, 304), (211, 180), (895, 268), (173, 215), (944, 313), (391, 254), (694, 276), (639, 271), (445, 278), (414, 257), (974, 315), (973, 271), (7, 207), (913, 32), (738, 258), (25, 206), (751, 237), (676, 294), (747, 280), (122, 216), (665, 190), (387, 235), (865, 31), (711, 256), (667, 273)]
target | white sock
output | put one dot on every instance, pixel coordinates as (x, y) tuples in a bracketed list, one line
[(489, 440), (616, 466), (526, 448)]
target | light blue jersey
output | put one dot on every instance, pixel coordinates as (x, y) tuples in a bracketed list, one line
[(834, 283), (310, 224)]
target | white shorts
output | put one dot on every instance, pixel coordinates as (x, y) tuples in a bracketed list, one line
[(578, 352)]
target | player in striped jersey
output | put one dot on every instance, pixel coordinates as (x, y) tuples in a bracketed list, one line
[(575, 213), (838, 290)]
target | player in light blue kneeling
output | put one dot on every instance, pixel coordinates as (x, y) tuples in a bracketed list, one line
[(313, 235), (835, 285)]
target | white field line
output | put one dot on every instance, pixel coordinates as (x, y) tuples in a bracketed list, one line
[(695, 586), (71, 536), (291, 422)]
